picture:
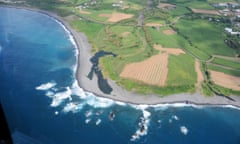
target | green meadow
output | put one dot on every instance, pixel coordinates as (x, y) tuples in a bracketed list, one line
[(199, 37)]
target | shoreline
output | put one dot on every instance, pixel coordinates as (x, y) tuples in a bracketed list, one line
[(119, 94)]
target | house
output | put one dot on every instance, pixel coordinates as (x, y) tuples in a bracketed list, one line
[(230, 31)]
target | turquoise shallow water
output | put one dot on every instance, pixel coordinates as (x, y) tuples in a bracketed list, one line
[(44, 104)]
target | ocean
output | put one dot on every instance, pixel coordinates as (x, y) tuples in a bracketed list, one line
[(44, 104)]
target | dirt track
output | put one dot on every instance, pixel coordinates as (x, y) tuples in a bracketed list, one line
[(200, 77)]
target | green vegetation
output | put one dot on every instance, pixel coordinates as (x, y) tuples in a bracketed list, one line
[(170, 41), (180, 72), (227, 63), (89, 28), (179, 11), (206, 90), (201, 36), (224, 70), (205, 36)]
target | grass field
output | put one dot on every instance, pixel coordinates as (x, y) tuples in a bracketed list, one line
[(180, 72), (179, 11), (227, 63), (206, 36), (224, 70), (89, 28), (199, 38)]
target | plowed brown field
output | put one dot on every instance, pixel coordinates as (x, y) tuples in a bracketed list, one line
[(116, 17), (152, 71), (228, 81)]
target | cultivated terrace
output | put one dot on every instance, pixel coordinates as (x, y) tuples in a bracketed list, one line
[(162, 46)]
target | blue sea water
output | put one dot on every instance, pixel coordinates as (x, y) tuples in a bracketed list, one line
[(44, 104)]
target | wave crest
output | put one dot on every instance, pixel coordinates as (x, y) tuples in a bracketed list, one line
[(46, 86)]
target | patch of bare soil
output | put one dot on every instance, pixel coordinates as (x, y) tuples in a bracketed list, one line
[(152, 71), (84, 12), (202, 11), (116, 17), (154, 24), (174, 51), (124, 34), (225, 80), (169, 32), (166, 5)]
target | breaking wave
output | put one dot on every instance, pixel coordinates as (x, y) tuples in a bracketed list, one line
[(46, 86), (58, 98), (184, 130), (143, 124)]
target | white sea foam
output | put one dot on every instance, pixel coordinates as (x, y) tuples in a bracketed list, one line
[(71, 38), (231, 106), (58, 98), (49, 94), (56, 102), (145, 120), (56, 112), (184, 130), (88, 113), (98, 121), (88, 99), (73, 107), (98, 102), (121, 103), (87, 121), (177, 105), (46, 86), (175, 117), (146, 114), (69, 107), (54, 89), (76, 90)]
